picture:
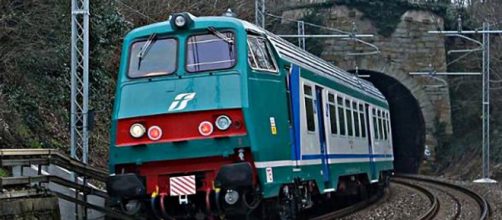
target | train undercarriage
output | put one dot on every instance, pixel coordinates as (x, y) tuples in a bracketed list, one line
[(297, 200)]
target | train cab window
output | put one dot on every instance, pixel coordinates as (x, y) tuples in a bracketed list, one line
[(332, 113), (152, 57), (348, 113), (260, 55), (309, 107), (341, 115), (363, 120), (210, 52), (355, 114)]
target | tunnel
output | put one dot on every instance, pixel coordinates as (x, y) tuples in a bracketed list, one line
[(407, 122)]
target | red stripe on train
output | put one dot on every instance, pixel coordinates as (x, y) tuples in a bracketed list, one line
[(180, 126)]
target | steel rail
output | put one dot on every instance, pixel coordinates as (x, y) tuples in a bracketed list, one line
[(434, 207), (482, 203), (350, 209)]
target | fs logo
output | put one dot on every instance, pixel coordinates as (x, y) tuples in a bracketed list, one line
[(181, 101)]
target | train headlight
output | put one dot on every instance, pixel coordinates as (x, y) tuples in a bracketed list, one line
[(231, 197), (205, 128), (137, 130), (180, 21), (154, 133), (223, 122)]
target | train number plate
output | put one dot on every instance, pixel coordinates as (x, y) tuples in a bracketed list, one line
[(182, 185)]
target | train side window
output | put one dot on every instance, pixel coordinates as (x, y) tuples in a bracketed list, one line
[(332, 113), (341, 115), (309, 107), (385, 129), (380, 124), (363, 120), (375, 125), (388, 124), (355, 114), (260, 55), (348, 113)]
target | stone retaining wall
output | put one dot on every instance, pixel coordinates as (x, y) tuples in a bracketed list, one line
[(35, 208)]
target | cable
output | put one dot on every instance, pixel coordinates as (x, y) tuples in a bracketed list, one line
[(135, 10), (308, 23)]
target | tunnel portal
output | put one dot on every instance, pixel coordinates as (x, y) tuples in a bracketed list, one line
[(407, 122)]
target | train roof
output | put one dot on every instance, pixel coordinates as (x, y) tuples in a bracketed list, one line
[(294, 54)]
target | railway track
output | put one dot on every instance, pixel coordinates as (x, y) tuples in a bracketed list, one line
[(350, 209), (444, 197)]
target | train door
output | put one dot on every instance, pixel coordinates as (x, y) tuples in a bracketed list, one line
[(293, 96), (322, 134), (373, 177)]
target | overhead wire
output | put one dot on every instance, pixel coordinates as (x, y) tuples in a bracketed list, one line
[(308, 23), (135, 10)]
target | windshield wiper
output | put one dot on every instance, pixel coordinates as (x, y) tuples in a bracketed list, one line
[(144, 50), (220, 35)]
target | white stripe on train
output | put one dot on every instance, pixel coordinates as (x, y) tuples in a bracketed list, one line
[(287, 163)]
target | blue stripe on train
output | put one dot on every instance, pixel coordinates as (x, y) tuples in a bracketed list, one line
[(345, 156), (295, 99)]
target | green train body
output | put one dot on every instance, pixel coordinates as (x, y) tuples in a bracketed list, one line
[(293, 117)]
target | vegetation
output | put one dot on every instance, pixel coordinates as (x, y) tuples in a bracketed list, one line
[(384, 14), (3, 172), (35, 71)]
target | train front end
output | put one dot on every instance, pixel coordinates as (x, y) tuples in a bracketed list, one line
[(179, 142)]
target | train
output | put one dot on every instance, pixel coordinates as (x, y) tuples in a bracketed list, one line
[(216, 117)]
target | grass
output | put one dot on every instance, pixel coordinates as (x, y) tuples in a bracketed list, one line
[(3, 172)]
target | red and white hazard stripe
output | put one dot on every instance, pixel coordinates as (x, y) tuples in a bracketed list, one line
[(182, 185)]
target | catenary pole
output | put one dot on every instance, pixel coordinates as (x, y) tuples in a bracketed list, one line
[(79, 130), (260, 13), (485, 73)]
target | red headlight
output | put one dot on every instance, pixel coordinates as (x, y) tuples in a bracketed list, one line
[(154, 133), (205, 128)]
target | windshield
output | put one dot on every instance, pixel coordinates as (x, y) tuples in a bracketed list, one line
[(210, 52), (153, 57)]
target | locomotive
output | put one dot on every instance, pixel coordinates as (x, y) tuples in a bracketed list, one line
[(214, 116)]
